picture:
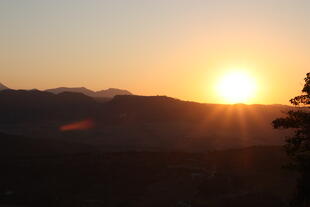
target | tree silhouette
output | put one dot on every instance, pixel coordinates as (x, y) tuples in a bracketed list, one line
[(298, 145)]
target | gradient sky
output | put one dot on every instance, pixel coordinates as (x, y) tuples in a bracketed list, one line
[(161, 47)]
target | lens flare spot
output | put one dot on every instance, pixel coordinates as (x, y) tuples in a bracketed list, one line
[(80, 125)]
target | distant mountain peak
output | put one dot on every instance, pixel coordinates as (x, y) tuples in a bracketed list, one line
[(108, 93), (3, 87), (111, 92)]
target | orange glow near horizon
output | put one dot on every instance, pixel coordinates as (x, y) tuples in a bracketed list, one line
[(174, 48)]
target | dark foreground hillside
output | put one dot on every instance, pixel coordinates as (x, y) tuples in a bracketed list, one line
[(244, 177)]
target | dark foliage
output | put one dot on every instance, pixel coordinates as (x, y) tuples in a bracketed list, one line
[(298, 145)]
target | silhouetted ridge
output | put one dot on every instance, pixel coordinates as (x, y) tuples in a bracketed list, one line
[(139, 121), (131, 108), (153, 108), (71, 97), (132, 99), (18, 105), (83, 90), (41, 98), (109, 93)]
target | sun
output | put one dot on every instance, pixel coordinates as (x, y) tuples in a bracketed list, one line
[(236, 87)]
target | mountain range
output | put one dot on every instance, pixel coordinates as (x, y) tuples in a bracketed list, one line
[(108, 93), (130, 122)]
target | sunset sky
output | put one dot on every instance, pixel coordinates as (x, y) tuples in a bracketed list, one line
[(178, 48)]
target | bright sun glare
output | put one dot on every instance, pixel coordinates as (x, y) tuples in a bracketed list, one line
[(236, 87)]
